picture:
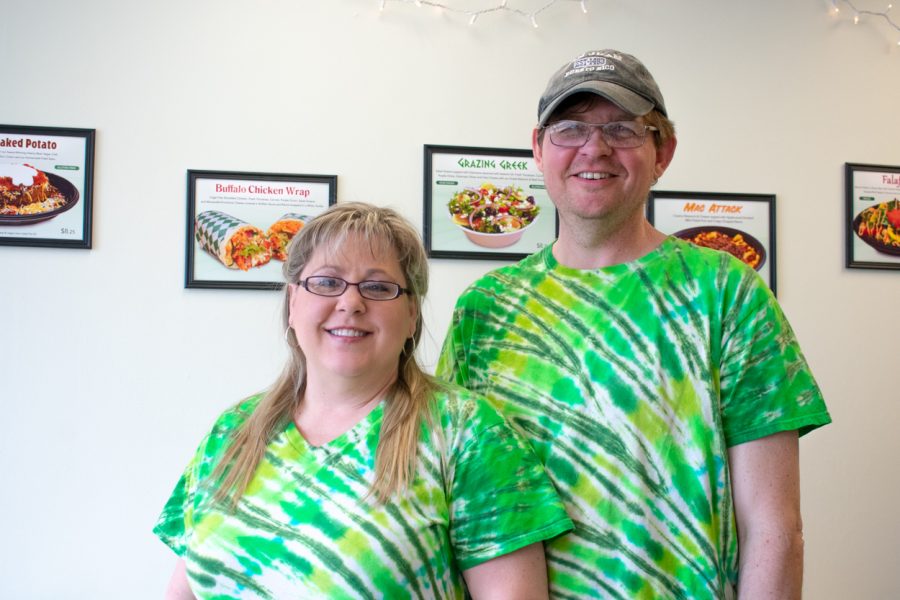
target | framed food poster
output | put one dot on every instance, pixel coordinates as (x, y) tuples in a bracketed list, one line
[(740, 224), (485, 203), (239, 225), (46, 183), (873, 216)]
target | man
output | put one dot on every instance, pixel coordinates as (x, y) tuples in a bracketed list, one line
[(659, 381)]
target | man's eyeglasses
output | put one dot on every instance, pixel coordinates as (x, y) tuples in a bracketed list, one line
[(619, 134), (323, 285)]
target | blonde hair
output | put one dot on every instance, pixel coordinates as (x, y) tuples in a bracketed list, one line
[(407, 398)]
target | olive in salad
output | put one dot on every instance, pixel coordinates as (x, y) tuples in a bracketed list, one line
[(490, 209)]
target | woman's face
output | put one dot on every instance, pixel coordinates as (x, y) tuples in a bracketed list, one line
[(349, 336)]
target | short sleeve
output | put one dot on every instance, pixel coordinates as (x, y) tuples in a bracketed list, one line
[(460, 362), (766, 384), (176, 517), (176, 522), (451, 363), (501, 499)]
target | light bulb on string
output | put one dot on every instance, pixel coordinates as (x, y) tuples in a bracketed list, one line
[(859, 13), (498, 6)]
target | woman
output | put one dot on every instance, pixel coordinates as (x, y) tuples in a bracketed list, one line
[(357, 475)]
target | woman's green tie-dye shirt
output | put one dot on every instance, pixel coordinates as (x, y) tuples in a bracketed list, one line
[(305, 528), (632, 382)]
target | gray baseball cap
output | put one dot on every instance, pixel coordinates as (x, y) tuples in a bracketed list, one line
[(619, 77)]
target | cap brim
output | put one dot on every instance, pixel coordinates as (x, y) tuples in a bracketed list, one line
[(622, 97)]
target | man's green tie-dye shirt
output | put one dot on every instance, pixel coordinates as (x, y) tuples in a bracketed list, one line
[(307, 528), (632, 382)]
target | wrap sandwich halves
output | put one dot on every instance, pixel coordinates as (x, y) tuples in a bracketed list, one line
[(283, 231), (235, 243)]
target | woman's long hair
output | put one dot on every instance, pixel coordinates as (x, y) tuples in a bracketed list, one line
[(407, 398)]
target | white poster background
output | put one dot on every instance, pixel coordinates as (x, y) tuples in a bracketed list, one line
[(454, 172), (671, 215), (257, 202), (63, 156), (871, 188)]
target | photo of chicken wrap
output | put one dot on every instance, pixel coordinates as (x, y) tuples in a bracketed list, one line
[(283, 231), (235, 243)]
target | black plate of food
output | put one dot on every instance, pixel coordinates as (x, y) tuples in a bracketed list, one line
[(738, 243), (66, 189), (879, 227)]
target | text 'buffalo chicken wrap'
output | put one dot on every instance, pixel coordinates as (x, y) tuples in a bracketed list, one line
[(283, 231), (237, 244)]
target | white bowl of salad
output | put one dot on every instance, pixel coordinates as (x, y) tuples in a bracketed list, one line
[(493, 217)]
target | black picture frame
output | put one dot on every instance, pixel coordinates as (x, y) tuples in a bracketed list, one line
[(688, 214), (65, 155), (450, 170), (872, 216), (220, 201)]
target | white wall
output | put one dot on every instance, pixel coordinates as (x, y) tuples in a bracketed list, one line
[(111, 371)]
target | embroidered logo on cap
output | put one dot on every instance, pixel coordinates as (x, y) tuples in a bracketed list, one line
[(593, 61), (589, 65), (588, 61)]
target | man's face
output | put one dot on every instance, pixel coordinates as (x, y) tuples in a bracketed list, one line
[(596, 182)]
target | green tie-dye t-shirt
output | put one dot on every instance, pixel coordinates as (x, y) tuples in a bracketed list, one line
[(632, 382), (306, 529)]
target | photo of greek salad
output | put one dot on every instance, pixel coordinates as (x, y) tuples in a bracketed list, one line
[(490, 209)]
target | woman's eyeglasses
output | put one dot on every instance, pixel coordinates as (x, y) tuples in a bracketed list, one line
[(323, 285)]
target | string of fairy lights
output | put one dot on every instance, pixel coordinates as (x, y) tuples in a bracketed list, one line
[(859, 13), (473, 15), (837, 10)]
